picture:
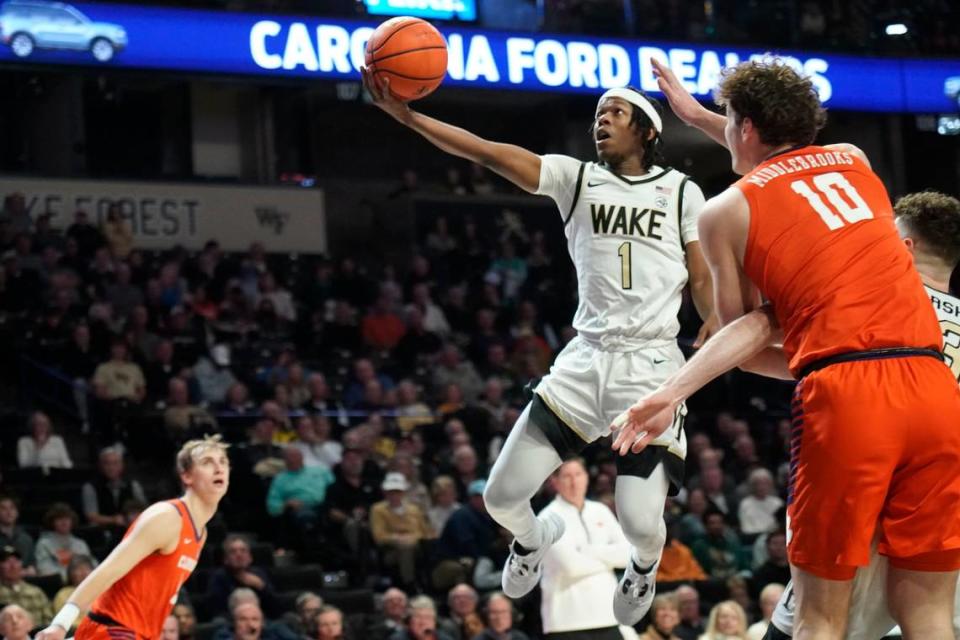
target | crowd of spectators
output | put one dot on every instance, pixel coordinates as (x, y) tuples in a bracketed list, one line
[(364, 402), (854, 26)]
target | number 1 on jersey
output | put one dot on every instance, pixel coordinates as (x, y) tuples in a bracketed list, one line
[(626, 265)]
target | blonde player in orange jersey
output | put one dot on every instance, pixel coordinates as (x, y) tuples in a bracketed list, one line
[(133, 591), (875, 445)]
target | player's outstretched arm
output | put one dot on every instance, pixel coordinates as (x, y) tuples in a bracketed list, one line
[(685, 106), (157, 528), (738, 342), (514, 163)]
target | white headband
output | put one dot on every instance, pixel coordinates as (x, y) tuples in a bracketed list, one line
[(637, 100)]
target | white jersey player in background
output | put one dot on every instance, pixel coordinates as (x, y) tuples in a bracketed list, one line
[(929, 223), (631, 229)]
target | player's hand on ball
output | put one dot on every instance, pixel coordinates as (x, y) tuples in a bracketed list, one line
[(681, 101), (53, 632), (644, 422), (379, 90)]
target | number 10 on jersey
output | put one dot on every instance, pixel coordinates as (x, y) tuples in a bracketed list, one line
[(840, 211), (625, 251)]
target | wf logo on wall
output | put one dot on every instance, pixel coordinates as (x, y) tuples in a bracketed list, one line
[(272, 218)]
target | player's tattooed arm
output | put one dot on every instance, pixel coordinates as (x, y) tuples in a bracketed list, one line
[(516, 164)]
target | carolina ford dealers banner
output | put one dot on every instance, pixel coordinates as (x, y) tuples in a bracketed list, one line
[(165, 214), (222, 42)]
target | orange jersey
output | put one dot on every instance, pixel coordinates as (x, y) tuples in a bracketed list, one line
[(142, 599), (822, 247)]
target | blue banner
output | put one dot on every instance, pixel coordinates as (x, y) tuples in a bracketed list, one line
[(128, 36), (434, 9)]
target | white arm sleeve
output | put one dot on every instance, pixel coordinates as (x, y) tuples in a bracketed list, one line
[(558, 179), (692, 205)]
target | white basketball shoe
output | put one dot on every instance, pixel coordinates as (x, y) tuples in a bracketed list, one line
[(522, 572), (634, 594)]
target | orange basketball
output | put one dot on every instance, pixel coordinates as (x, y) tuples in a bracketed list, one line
[(411, 53)]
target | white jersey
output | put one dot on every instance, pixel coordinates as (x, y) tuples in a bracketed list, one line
[(626, 237), (948, 312)]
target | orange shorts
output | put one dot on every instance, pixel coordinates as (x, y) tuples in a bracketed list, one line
[(90, 630), (875, 447)]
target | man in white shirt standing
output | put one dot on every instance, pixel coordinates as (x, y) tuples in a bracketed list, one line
[(757, 512), (578, 570)]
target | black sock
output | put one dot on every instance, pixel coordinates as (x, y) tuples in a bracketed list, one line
[(638, 569), (519, 549)]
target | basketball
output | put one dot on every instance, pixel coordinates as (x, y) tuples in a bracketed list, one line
[(411, 53)]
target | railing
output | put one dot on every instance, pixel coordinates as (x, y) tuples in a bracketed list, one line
[(43, 385)]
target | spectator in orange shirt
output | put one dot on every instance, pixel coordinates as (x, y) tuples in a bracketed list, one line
[(677, 563), (382, 328)]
